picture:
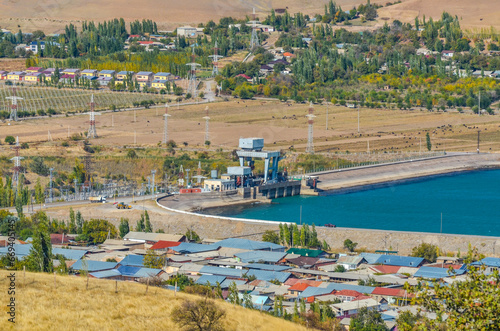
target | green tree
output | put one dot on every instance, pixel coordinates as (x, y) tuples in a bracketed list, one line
[(350, 245), (367, 320), (153, 260), (147, 225), (192, 236), (124, 227), (271, 236), (429, 144), (97, 230), (39, 167), (139, 227), (72, 221), (79, 222), (10, 140), (233, 296), (40, 256), (426, 251), (470, 304), (202, 315)]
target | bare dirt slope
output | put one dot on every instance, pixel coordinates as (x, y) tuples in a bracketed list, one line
[(472, 14), (52, 15)]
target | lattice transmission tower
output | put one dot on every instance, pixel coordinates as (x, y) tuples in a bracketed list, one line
[(254, 39), (92, 133), (310, 122), (215, 60), (13, 107), (192, 83), (17, 164)]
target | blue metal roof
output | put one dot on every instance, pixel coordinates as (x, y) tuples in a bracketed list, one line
[(21, 250), (189, 248), (371, 258), (237, 273), (261, 256), (129, 271), (250, 244), (105, 274), (210, 279), (106, 72), (395, 260), (314, 291), (69, 254), (133, 260), (270, 267), (437, 273), (227, 282), (94, 265), (490, 262)]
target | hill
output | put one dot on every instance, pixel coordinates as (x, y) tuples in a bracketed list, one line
[(51, 15), (472, 14), (70, 306)]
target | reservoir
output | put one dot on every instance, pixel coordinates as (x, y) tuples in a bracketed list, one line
[(459, 203)]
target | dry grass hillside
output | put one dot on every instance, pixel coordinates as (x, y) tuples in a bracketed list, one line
[(472, 14), (69, 306), (52, 16)]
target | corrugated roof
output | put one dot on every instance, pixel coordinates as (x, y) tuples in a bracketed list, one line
[(396, 260), (250, 244), (210, 279), (270, 267), (133, 235), (237, 273), (491, 261), (105, 274), (93, 265), (189, 248), (69, 254), (164, 244), (138, 272), (133, 260), (305, 252), (299, 287), (20, 250), (437, 273), (261, 256)]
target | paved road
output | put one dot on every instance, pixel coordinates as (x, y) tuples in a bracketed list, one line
[(352, 177), (37, 207)]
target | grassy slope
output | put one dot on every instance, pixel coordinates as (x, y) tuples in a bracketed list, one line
[(72, 307)]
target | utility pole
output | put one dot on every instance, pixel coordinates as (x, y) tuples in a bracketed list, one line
[(153, 172), (327, 115), (207, 119), (254, 40), (51, 197), (165, 125), (192, 83), (17, 164), (358, 119), (92, 133), (310, 117), (13, 107), (215, 60), (478, 133)]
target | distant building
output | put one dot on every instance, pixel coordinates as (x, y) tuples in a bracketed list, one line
[(89, 73), (107, 73), (34, 46), (122, 75), (33, 77), (71, 72), (447, 54), (186, 31)]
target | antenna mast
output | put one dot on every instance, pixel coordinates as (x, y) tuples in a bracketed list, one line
[(310, 117)]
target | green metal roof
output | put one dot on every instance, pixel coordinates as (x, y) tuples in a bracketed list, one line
[(305, 252)]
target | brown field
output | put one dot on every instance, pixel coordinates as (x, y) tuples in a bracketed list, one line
[(472, 14), (51, 16), (45, 303), (282, 126)]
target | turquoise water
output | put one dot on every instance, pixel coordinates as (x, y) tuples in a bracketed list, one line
[(469, 203)]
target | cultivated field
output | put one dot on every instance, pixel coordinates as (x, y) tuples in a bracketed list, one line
[(45, 304), (283, 126), (70, 100)]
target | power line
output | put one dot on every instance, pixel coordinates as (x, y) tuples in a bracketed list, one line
[(310, 117)]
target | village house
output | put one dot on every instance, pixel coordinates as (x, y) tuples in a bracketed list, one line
[(34, 69), (351, 262), (71, 72), (447, 54), (33, 77), (34, 46), (122, 75), (16, 75), (104, 81), (107, 73), (350, 308), (89, 73), (187, 31)]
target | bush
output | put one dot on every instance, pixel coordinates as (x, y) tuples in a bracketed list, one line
[(202, 314), (10, 140)]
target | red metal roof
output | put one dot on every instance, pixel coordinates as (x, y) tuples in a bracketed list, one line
[(165, 244), (58, 238), (393, 292), (293, 281), (386, 269), (299, 287), (244, 76), (348, 293)]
